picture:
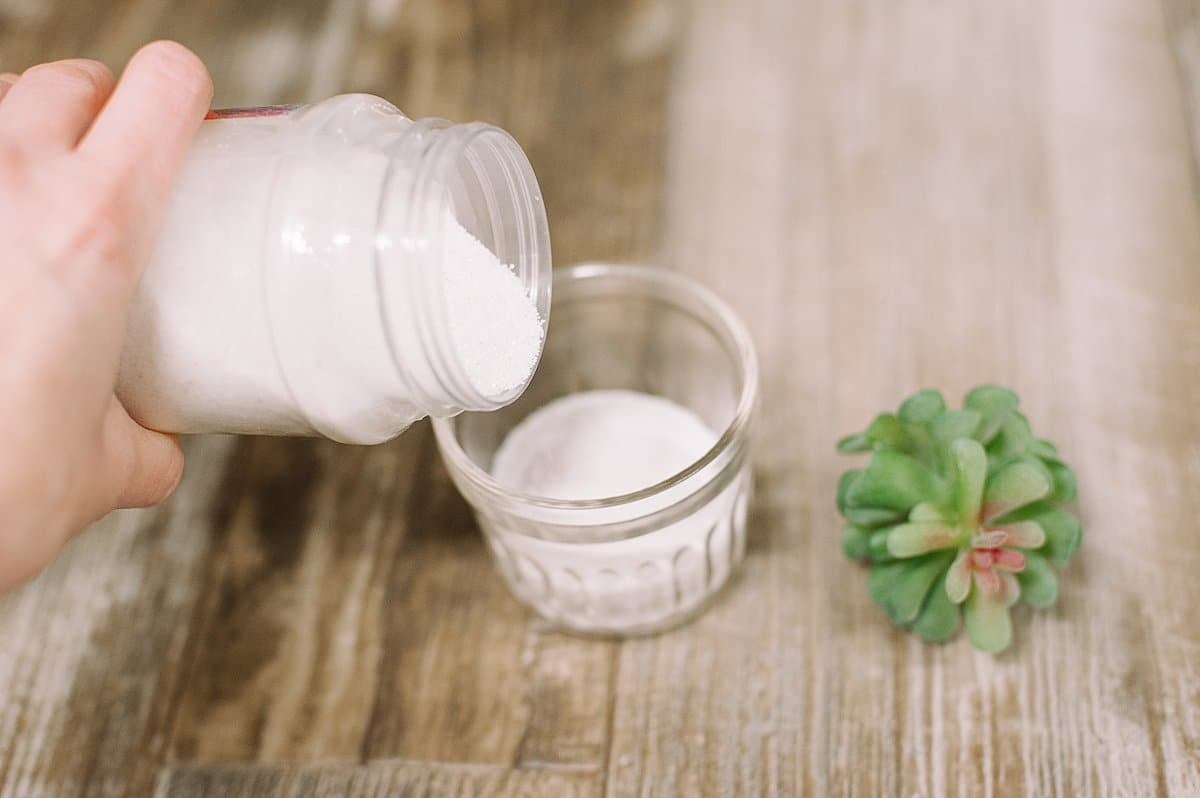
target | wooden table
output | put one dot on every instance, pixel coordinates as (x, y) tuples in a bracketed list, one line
[(894, 194)]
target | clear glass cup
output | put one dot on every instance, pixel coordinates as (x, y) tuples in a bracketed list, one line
[(644, 561)]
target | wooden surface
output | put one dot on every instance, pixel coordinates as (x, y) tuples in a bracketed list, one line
[(894, 194)]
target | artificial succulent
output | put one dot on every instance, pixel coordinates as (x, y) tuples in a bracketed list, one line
[(959, 513)]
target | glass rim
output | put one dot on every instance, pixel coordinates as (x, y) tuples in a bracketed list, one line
[(650, 281)]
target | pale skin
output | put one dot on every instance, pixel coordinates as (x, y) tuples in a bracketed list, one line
[(86, 164)]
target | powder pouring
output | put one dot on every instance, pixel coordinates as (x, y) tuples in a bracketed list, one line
[(614, 492)]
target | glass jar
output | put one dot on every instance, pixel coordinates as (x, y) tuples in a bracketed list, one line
[(297, 286), (647, 560)]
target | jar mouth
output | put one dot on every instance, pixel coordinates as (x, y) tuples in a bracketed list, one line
[(479, 175), (687, 295)]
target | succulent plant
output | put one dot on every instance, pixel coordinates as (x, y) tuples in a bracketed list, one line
[(959, 514)]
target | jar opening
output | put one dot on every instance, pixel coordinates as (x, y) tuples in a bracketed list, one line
[(463, 226)]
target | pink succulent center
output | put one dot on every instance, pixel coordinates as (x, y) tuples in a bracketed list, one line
[(982, 559), (988, 556)]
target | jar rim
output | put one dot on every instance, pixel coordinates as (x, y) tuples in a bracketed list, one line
[(671, 287), (439, 146)]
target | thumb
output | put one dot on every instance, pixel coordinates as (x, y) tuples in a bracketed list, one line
[(143, 466)]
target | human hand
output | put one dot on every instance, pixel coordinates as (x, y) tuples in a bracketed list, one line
[(85, 171)]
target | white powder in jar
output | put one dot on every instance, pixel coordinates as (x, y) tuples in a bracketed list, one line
[(598, 444), (602, 444), (493, 323), (260, 309)]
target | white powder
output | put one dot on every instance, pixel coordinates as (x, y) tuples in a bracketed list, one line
[(493, 323), (599, 444)]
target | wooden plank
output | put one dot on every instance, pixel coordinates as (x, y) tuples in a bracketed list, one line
[(582, 86), (570, 697), (258, 53), (453, 640), (413, 780), (466, 677), (939, 194), (1183, 32), (286, 650), (90, 664), (1131, 296)]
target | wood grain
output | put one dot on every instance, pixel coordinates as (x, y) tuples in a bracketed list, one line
[(893, 195), (377, 780)]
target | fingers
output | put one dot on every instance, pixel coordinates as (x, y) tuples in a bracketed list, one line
[(51, 105), (7, 79), (144, 130), (141, 467)]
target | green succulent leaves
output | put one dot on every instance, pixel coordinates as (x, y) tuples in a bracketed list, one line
[(958, 513)]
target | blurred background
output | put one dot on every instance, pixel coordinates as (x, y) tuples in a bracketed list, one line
[(894, 194), (578, 84)]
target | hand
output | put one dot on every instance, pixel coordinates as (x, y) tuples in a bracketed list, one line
[(85, 171)]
